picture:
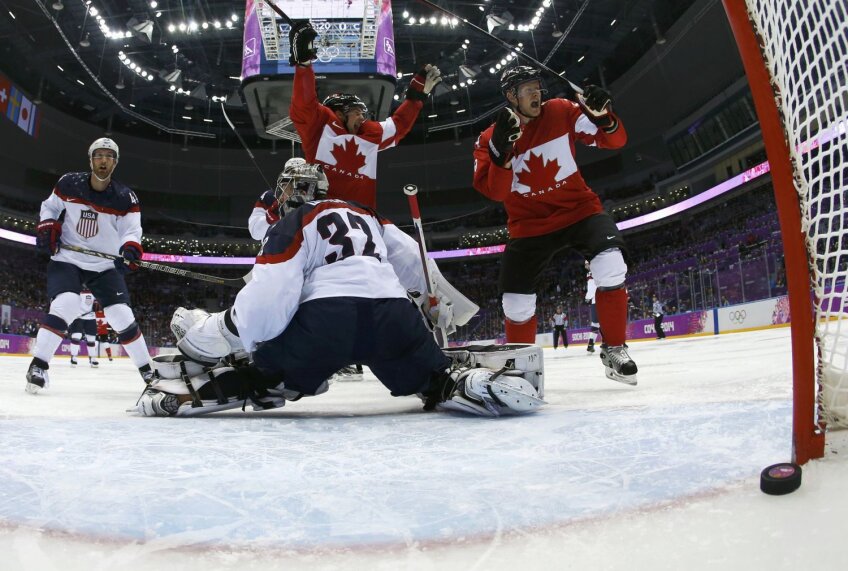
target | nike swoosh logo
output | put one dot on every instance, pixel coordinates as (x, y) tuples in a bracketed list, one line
[(120, 293), (610, 237)]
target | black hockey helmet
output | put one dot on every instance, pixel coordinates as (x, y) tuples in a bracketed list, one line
[(344, 102), (515, 76)]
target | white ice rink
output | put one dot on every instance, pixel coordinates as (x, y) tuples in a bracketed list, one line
[(661, 476)]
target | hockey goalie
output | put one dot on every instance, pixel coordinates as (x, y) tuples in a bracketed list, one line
[(331, 287)]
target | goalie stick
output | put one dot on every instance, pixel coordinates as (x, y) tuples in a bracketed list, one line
[(411, 192), (232, 282)]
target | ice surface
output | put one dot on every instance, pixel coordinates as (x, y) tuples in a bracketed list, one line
[(658, 476)]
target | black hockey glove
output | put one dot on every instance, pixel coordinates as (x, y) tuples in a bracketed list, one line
[(597, 106), (47, 235), (301, 50), (507, 131)]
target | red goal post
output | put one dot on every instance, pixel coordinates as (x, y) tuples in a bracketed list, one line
[(795, 55)]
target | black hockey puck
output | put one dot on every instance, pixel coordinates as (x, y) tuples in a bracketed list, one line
[(780, 479)]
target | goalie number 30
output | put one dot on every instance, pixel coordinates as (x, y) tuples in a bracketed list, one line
[(333, 227)]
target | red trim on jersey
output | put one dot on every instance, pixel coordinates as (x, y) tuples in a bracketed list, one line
[(53, 331), (97, 207), (128, 341), (293, 248)]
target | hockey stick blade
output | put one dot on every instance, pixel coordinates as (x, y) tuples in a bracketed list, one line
[(279, 12), (232, 282)]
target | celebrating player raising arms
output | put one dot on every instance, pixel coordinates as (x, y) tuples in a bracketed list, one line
[(526, 160)]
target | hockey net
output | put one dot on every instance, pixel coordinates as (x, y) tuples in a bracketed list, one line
[(796, 56)]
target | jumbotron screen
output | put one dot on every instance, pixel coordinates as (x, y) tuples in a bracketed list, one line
[(342, 46)]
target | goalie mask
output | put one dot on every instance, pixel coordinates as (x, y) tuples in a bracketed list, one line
[(299, 185)]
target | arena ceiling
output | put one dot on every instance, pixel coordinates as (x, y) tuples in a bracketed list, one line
[(57, 50)]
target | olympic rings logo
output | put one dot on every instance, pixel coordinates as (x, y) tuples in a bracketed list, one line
[(737, 317)]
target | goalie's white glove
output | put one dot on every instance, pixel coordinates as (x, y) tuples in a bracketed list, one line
[(205, 338), (437, 311)]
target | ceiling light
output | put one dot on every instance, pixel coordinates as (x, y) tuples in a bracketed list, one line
[(57, 5), (405, 14), (229, 24), (412, 19), (422, 19), (234, 17), (397, 97), (581, 58), (172, 28), (216, 24), (153, 4), (432, 116), (81, 83), (60, 68), (85, 42), (12, 14), (186, 117), (613, 22), (433, 20), (208, 120), (92, 11)]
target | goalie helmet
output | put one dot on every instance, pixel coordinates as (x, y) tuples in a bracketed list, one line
[(294, 163), (300, 185), (344, 102), (515, 76), (104, 143)]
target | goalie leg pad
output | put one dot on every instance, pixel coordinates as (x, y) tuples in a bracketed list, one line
[(492, 393), (210, 339), (526, 358)]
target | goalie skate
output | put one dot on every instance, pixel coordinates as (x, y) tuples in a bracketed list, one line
[(491, 393), (523, 357)]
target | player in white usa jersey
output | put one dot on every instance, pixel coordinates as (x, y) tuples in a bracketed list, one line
[(84, 325), (329, 289), (89, 210)]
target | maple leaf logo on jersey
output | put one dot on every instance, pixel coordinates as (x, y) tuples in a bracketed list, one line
[(539, 173), (348, 157)]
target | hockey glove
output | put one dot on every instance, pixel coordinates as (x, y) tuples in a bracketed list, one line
[(597, 106), (47, 235), (507, 131), (301, 50), (271, 206), (423, 83), (210, 339), (131, 252), (437, 312)]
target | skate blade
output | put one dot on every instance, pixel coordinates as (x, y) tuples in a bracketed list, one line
[(32, 389), (625, 379)]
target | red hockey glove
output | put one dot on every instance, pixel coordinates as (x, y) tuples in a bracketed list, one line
[(131, 252), (423, 83), (271, 206), (47, 235)]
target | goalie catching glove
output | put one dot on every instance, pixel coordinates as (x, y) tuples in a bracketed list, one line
[(203, 337)]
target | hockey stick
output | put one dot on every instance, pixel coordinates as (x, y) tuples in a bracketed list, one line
[(505, 44), (411, 192), (232, 282), (279, 12)]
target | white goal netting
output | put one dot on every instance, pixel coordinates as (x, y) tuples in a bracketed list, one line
[(805, 45)]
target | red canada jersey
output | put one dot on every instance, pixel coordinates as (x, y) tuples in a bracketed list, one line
[(544, 191), (350, 161), (102, 325)]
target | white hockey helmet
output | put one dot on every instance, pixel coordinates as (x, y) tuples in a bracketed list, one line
[(294, 163), (104, 143), (299, 185)]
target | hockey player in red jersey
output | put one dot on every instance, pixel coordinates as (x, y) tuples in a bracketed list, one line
[(89, 210), (526, 160), (102, 331), (337, 133)]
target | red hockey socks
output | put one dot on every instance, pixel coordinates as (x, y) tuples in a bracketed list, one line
[(521, 332), (612, 315)]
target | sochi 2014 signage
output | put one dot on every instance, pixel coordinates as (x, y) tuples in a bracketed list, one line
[(340, 44)]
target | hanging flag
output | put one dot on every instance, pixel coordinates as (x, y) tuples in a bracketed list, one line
[(13, 108), (25, 114), (5, 89)]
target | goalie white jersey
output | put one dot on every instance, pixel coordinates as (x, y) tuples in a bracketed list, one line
[(325, 248), (101, 221)]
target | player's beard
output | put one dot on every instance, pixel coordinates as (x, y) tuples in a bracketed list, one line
[(103, 173)]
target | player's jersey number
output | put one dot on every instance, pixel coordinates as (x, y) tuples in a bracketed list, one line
[(332, 227)]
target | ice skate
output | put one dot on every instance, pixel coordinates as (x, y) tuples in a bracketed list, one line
[(148, 374), (73, 361), (93, 362), (590, 347), (36, 376), (619, 366), (348, 374)]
